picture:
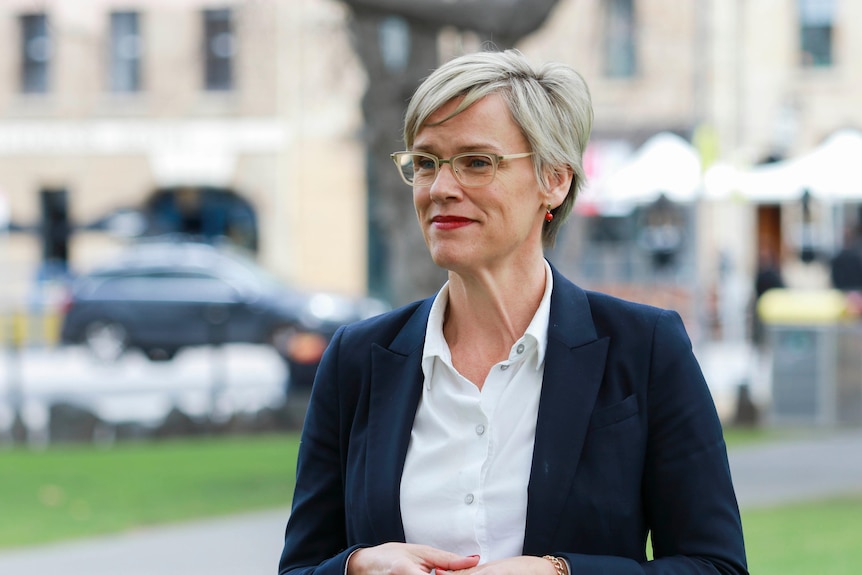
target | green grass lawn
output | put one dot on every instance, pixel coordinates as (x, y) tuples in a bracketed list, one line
[(821, 538), (745, 436), (817, 538), (76, 491)]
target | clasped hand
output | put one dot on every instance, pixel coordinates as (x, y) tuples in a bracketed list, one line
[(410, 559)]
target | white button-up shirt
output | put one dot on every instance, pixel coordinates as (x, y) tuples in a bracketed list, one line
[(464, 485)]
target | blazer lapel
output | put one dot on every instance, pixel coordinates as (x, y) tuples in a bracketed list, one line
[(574, 365), (396, 388)]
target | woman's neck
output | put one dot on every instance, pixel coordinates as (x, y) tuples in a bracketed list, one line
[(490, 312)]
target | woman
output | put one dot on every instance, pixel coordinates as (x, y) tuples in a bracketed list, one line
[(513, 423)]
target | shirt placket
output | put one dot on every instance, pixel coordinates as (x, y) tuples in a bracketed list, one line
[(500, 376)]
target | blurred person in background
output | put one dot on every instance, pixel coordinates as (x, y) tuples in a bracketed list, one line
[(846, 266), (768, 276), (513, 423)]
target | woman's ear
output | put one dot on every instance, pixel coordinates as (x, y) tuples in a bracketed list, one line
[(557, 183)]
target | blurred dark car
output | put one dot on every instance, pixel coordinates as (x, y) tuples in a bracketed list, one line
[(161, 297)]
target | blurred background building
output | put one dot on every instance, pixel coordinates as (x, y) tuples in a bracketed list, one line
[(232, 119), (243, 119), (742, 83)]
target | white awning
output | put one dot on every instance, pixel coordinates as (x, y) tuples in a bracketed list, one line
[(665, 165), (830, 172)]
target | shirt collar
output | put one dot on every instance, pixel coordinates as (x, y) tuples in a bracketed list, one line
[(538, 328), (435, 343)]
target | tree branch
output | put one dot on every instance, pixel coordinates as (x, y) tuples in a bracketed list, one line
[(509, 19)]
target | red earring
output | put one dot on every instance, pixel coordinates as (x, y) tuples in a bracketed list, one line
[(549, 216)]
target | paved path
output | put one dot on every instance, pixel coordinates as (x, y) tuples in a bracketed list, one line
[(242, 545), (784, 472), (249, 544)]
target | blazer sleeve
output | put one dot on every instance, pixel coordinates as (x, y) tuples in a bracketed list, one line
[(315, 537), (689, 503)]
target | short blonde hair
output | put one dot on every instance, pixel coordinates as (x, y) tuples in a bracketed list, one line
[(551, 103)]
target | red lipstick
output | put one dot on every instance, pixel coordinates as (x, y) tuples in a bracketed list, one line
[(450, 222)]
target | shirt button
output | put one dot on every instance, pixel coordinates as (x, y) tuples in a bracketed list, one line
[(480, 429), (469, 499), (504, 367), (520, 348)]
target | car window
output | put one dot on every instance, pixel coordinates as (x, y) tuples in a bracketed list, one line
[(249, 274), (167, 286), (187, 262)]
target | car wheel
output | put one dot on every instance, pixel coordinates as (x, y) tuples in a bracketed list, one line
[(159, 353), (107, 340)]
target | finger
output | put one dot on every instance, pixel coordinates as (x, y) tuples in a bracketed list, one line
[(458, 563), (464, 563)]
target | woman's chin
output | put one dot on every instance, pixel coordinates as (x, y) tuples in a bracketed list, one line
[(451, 260)]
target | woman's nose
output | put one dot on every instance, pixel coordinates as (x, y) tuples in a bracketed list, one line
[(445, 185)]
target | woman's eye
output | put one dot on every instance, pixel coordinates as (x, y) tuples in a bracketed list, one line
[(424, 164), (477, 162)]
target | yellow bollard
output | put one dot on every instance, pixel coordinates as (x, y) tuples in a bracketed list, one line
[(19, 328), (51, 327)]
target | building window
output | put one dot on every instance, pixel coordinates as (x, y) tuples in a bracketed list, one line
[(219, 49), (125, 52), (816, 20), (620, 60), (35, 53)]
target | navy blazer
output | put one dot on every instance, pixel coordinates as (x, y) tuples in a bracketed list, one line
[(627, 443)]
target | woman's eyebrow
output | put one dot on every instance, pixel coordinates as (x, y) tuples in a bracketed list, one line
[(474, 147)]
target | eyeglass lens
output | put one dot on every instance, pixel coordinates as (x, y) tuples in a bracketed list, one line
[(469, 169)]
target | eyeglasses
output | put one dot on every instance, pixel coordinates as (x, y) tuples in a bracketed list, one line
[(471, 169)]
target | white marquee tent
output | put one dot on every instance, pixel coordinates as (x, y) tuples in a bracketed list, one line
[(666, 164), (831, 172)]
